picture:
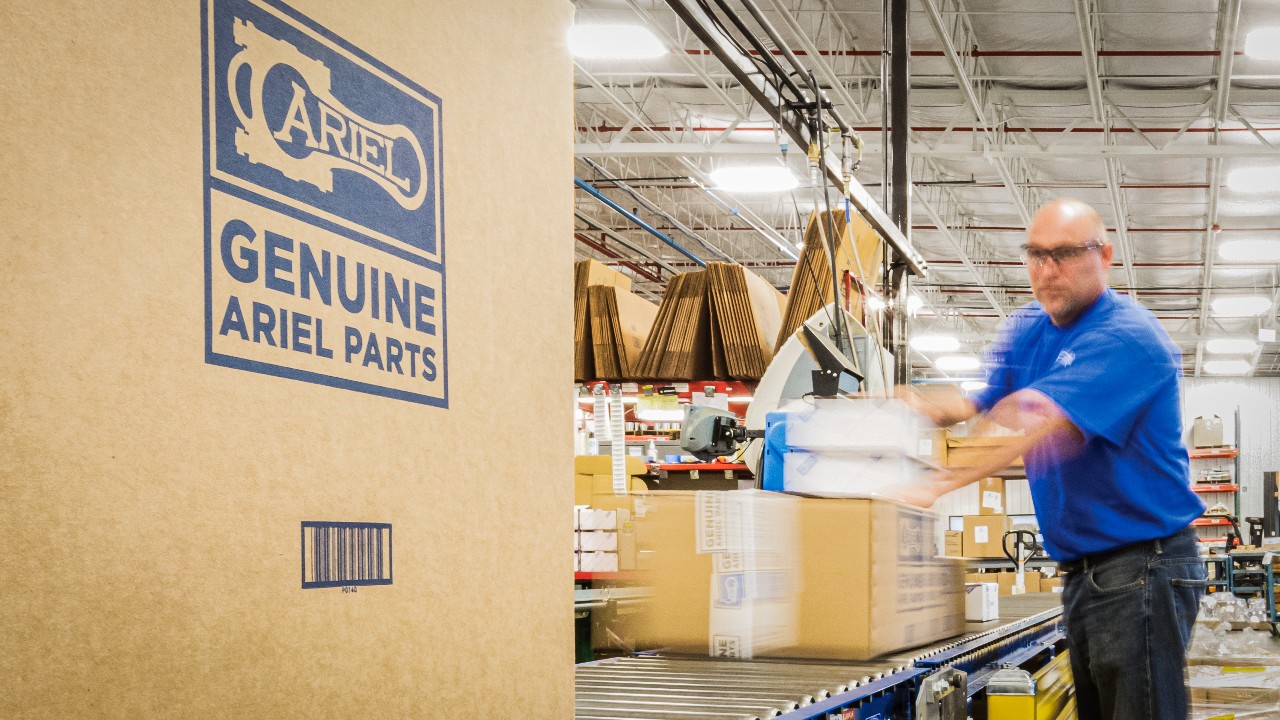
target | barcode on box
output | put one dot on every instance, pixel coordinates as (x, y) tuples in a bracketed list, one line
[(342, 554)]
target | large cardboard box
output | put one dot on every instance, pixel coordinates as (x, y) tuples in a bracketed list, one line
[(868, 581), (983, 535), (177, 469)]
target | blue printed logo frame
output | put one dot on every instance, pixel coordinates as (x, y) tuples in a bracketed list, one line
[(396, 211)]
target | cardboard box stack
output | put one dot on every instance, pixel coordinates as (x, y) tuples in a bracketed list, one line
[(1232, 674), (604, 534), (756, 574)]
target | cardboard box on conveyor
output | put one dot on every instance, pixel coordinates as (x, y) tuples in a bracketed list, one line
[(760, 574)]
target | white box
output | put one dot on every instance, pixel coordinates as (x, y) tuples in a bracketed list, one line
[(577, 512), (599, 562), (598, 540), (827, 474), (597, 519), (863, 425), (577, 563), (981, 602)]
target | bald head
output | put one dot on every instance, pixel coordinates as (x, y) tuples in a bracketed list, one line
[(1069, 258), (1072, 216)]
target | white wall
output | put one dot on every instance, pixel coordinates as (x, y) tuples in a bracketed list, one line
[(1259, 402)]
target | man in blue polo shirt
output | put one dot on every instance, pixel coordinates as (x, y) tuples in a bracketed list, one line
[(1092, 378)]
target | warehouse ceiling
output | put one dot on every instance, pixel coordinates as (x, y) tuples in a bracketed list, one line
[(1143, 108)]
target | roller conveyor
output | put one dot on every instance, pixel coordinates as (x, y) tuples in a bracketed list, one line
[(700, 688)]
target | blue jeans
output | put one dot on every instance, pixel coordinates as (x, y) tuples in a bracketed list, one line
[(1129, 615)]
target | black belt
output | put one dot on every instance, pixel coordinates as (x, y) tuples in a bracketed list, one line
[(1098, 558)]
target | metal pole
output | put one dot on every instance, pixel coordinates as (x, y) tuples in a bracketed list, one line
[(900, 211)]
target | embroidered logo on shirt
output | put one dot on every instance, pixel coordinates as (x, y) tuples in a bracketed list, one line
[(1065, 358)]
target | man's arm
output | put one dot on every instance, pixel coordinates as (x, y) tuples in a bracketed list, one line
[(944, 409), (1027, 410)]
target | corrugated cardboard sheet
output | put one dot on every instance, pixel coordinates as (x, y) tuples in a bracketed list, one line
[(155, 490), (586, 274), (858, 251)]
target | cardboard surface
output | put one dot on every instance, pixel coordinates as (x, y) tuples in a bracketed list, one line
[(983, 535), (857, 256), (154, 501), (868, 582)]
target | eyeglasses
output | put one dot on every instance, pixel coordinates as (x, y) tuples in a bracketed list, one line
[(1039, 256)]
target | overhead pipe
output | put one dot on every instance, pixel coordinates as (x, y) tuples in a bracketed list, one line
[(820, 97), (653, 208), (623, 241), (719, 129), (995, 53), (598, 247), (740, 67), (644, 225)]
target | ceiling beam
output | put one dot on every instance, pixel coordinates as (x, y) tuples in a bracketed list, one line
[(1029, 152), (960, 33), (1090, 57), (1228, 22)]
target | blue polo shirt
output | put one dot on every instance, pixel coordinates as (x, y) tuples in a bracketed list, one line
[(1114, 372)]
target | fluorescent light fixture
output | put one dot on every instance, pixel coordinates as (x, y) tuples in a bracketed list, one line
[(754, 178), (1263, 43), (741, 399), (1227, 367), (935, 343), (614, 42), (1230, 346), (1240, 305), (1245, 251), (874, 304), (1254, 179), (972, 385), (950, 363)]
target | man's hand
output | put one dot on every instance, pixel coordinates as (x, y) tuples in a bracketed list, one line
[(925, 490), (944, 409)]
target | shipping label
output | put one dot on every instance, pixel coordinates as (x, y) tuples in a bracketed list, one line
[(324, 214)]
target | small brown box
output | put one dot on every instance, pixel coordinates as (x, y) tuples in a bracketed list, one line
[(953, 545), (991, 497)]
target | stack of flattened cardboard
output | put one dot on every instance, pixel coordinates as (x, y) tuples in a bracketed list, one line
[(620, 324), (746, 313), (678, 347), (587, 273), (857, 254)]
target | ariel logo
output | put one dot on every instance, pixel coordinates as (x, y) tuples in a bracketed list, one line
[(291, 121)]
